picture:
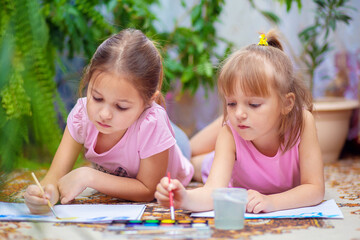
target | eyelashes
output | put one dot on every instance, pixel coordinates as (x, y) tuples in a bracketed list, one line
[(121, 108), (117, 106), (97, 99), (252, 105)]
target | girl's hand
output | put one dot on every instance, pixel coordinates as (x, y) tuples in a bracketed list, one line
[(74, 183), (36, 202), (162, 192), (258, 202)]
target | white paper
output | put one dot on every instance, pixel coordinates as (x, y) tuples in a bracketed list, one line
[(327, 209), (74, 212)]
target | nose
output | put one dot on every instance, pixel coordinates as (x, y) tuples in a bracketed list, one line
[(240, 112), (105, 113)]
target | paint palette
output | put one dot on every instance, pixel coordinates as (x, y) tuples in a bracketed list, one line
[(138, 229), (157, 224)]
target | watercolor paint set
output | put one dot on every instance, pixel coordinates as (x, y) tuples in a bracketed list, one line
[(140, 229), (157, 224)]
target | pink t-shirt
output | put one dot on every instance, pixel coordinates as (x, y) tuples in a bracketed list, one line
[(147, 136), (253, 170)]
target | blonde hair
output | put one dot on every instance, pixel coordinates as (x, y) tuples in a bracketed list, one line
[(131, 54), (256, 70)]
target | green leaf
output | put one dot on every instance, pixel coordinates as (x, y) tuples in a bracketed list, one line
[(308, 32), (187, 74), (288, 5), (271, 16), (343, 18), (199, 44), (6, 59), (299, 4), (208, 69)]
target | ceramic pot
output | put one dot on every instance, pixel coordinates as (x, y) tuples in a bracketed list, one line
[(332, 118)]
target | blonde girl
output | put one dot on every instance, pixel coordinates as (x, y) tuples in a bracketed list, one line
[(123, 131), (267, 143)]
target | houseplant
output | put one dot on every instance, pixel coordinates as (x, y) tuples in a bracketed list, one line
[(332, 114)]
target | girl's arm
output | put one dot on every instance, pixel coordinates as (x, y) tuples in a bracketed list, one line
[(62, 163), (200, 199), (205, 140), (142, 188), (203, 143), (64, 159), (311, 189)]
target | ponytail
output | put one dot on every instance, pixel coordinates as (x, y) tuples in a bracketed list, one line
[(273, 40)]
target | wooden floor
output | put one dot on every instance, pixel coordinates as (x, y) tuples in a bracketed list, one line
[(342, 184)]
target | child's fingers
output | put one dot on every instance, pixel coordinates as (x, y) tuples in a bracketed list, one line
[(174, 185), (34, 199), (51, 193), (161, 188), (252, 200), (34, 195), (251, 205), (164, 182), (64, 200), (258, 207), (161, 198), (34, 190)]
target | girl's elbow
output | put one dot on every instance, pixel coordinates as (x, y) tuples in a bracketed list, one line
[(319, 196), (147, 196)]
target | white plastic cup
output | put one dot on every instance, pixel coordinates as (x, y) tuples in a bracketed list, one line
[(229, 208)]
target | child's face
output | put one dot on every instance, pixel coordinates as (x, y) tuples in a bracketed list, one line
[(254, 118), (113, 104)]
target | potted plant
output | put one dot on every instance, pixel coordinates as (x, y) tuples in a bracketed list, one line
[(332, 114)]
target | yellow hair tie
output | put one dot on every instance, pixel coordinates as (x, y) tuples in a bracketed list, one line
[(263, 40)]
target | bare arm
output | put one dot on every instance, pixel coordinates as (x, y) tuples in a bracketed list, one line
[(142, 188), (205, 140), (200, 199), (62, 163), (311, 189), (64, 159)]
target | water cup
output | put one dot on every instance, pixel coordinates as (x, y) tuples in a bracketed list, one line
[(229, 208)]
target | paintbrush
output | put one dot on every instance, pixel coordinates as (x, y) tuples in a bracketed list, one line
[(172, 211), (42, 191)]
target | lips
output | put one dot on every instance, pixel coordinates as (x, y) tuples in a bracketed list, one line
[(103, 125), (243, 127)]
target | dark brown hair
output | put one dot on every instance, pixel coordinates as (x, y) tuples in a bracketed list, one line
[(132, 55), (256, 70)]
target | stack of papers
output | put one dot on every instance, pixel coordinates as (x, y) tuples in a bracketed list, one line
[(85, 213), (327, 209)]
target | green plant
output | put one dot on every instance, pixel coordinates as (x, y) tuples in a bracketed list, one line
[(315, 38), (195, 47), (28, 92)]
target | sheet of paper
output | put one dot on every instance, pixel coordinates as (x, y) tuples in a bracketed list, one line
[(327, 209), (74, 213)]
